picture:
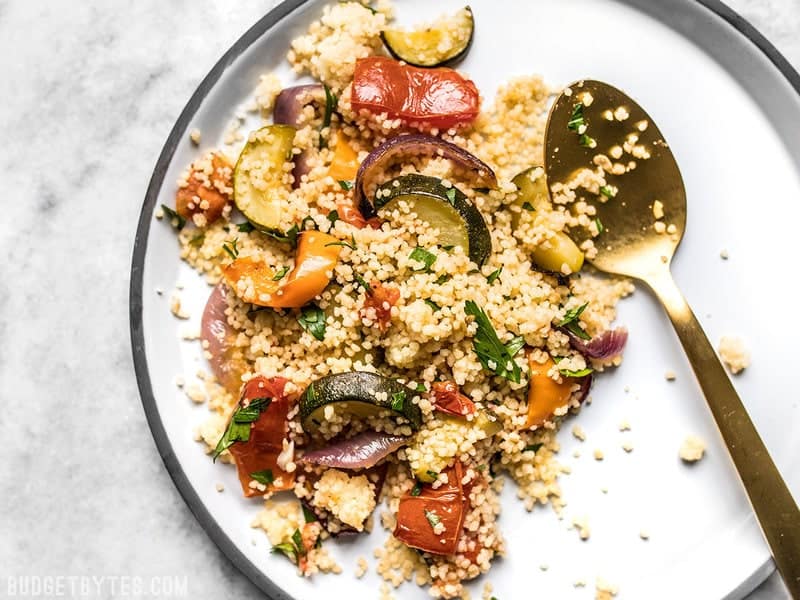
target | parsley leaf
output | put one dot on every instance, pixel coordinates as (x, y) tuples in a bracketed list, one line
[(238, 429), (432, 517), (417, 489), (297, 540), (528, 206), (576, 120), (426, 258), (345, 185), (492, 354), (599, 224), (231, 249), (280, 274), (308, 514), (443, 279), (586, 141), (177, 221), (245, 227), (264, 476), (312, 319), (570, 322), (198, 240), (287, 549), (494, 275), (333, 216), (290, 237), (532, 448), (607, 191), (351, 244), (330, 106), (451, 195), (398, 401), (363, 283), (434, 307), (581, 373)]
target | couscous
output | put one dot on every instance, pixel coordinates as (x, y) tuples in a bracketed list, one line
[(401, 318)]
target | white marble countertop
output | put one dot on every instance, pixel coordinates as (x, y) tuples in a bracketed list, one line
[(91, 90)]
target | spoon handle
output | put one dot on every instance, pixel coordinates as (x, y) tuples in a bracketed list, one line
[(771, 499)]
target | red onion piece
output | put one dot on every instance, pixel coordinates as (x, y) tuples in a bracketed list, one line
[(214, 330), (586, 385), (288, 107), (606, 345), (417, 144), (359, 452)]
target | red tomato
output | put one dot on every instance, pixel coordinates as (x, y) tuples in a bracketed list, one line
[(434, 97), (261, 451), (381, 298), (447, 399), (447, 504)]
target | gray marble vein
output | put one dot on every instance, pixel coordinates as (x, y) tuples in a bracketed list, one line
[(90, 91)]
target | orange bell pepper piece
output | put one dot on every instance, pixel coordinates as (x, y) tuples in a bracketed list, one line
[(254, 281), (545, 395), (344, 165)]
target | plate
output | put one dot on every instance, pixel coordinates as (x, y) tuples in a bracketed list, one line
[(729, 105)]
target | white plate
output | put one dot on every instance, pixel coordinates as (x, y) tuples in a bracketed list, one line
[(729, 106)]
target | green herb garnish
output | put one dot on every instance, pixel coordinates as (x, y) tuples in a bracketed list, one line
[(264, 476), (532, 448), (312, 319), (599, 224), (417, 489), (238, 429), (330, 106), (581, 373), (528, 206), (607, 191), (198, 240), (432, 474), (363, 283), (434, 307), (231, 248), (345, 185), (280, 274), (492, 353), (308, 514), (494, 275), (177, 221), (570, 322), (576, 120), (426, 258), (290, 237), (245, 227), (586, 141), (451, 195), (333, 216), (297, 540), (432, 517), (398, 401), (287, 549), (351, 244), (443, 279)]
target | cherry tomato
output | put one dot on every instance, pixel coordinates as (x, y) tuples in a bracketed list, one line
[(417, 515), (433, 97), (447, 399), (267, 433), (380, 298)]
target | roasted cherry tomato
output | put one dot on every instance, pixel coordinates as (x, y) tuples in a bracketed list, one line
[(267, 432), (447, 399), (208, 188), (418, 516), (433, 97), (380, 299)]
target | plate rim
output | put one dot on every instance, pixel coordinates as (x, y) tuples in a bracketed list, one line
[(135, 298)]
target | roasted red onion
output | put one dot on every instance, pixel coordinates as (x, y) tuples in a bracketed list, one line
[(417, 144), (288, 108), (606, 345), (359, 452), (219, 337)]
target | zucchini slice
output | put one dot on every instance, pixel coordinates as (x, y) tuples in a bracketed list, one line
[(533, 196), (361, 394), (447, 209), (259, 189), (443, 42)]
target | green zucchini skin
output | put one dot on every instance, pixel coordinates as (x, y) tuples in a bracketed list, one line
[(359, 387), (480, 240), (447, 60)]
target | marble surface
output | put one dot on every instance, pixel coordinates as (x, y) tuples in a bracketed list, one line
[(91, 90)]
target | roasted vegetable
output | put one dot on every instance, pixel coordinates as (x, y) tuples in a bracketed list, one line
[(254, 281), (344, 165), (260, 182), (219, 340), (361, 451), (445, 208), (288, 109), (361, 394), (206, 191), (438, 98), (448, 399), (444, 42), (545, 395)]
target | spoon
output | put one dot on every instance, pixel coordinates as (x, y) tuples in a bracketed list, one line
[(588, 119)]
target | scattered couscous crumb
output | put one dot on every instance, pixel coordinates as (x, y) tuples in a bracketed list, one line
[(598, 454), (220, 487), (578, 432), (627, 446), (176, 308), (733, 353), (194, 136), (361, 567), (604, 590), (582, 525), (670, 375), (624, 425), (579, 583), (692, 449), (644, 534), (487, 591), (544, 567), (196, 392), (179, 381), (604, 489), (723, 254)]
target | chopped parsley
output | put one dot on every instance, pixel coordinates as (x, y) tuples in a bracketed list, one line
[(426, 258), (312, 319), (176, 220), (264, 476), (571, 324), (351, 244), (304, 223), (443, 279), (482, 190), (280, 274), (417, 489), (398, 401), (245, 227), (432, 474), (528, 206), (290, 237), (363, 283), (599, 224), (330, 106), (432, 517), (607, 191), (198, 240), (451, 195), (532, 448), (308, 514), (576, 120), (333, 216), (492, 353), (581, 373), (434, 307), (345, 185), (420, 387), (494, 275), (231, 248), (287, 549), (586, 141), (238, 429)]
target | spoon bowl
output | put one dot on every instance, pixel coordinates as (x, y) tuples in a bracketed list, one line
[(642, 209)]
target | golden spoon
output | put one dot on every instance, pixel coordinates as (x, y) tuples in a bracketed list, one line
[(643, 213)]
